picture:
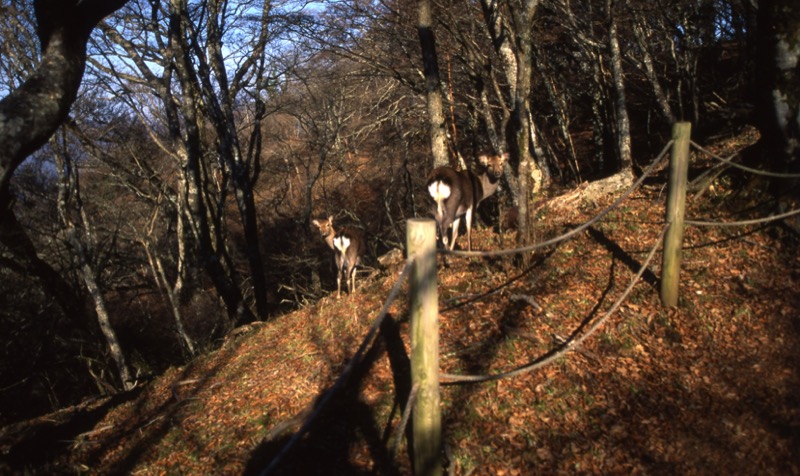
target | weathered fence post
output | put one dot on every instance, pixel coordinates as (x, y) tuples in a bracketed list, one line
[(427, 419), (676, 206)]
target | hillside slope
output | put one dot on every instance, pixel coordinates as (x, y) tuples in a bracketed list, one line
[(708, 388)]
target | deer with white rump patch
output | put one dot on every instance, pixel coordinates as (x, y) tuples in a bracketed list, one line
[(348, 245), (458, 193)]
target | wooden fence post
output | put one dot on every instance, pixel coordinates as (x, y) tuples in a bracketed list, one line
[(676, 206), (427, 419)]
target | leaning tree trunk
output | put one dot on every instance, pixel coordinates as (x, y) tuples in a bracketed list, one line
[(78, 238), (161, 281), (557, 95), (32, 113), (648, 65), (103, 318)]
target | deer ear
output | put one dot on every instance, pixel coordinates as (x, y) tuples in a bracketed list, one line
[(316, 222), (505, 156), (483, 159), (330, 219)]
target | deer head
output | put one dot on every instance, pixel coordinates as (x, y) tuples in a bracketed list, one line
[(326, 229)]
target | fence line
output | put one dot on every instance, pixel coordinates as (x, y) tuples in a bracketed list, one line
[(765, 173), (355, 360), (754, 221), (730, 162), (575, 340), (570, 344), (574, 231)]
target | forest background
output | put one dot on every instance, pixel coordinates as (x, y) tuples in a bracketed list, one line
[(174, 202)]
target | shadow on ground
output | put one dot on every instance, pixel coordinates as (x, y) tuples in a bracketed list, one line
[(346, 428)]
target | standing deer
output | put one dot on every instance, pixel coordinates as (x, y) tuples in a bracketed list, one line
[(348, 245), (458, 193)]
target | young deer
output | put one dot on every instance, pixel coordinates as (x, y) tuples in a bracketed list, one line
[(348, 245), (458, 194)]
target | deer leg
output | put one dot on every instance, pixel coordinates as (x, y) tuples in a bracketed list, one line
[(339, 264), (444, 231), (468, 218), (456, 223)]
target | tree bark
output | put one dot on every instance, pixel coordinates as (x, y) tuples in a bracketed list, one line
[(522, 17), (78, 238), (190, 156), (433, 90), (620, 103), (778, 83), (650, 71), (31, 114), (219, 103)]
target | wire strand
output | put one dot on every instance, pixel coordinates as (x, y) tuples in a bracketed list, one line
[(730, 162), (755, 221), (567, 346)]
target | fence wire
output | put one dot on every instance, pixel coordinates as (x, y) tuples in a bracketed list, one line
[(729, 161), (571, 344), (755, 221)]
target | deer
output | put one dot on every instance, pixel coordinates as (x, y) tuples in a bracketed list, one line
[(348, 245), (458, 193)]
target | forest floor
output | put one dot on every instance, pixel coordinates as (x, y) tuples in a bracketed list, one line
[(709, 387)]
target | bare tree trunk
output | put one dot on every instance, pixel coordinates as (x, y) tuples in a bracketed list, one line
[(103, 318), (650, 72), (198, 216), (502, 40), (600, 119), (497, 140), (620, 102), (514, 48), (160, 278), (220, 107), (540, 173), (558, 99), (433, 90), (778, 83), (522, 16), (79, 239)]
